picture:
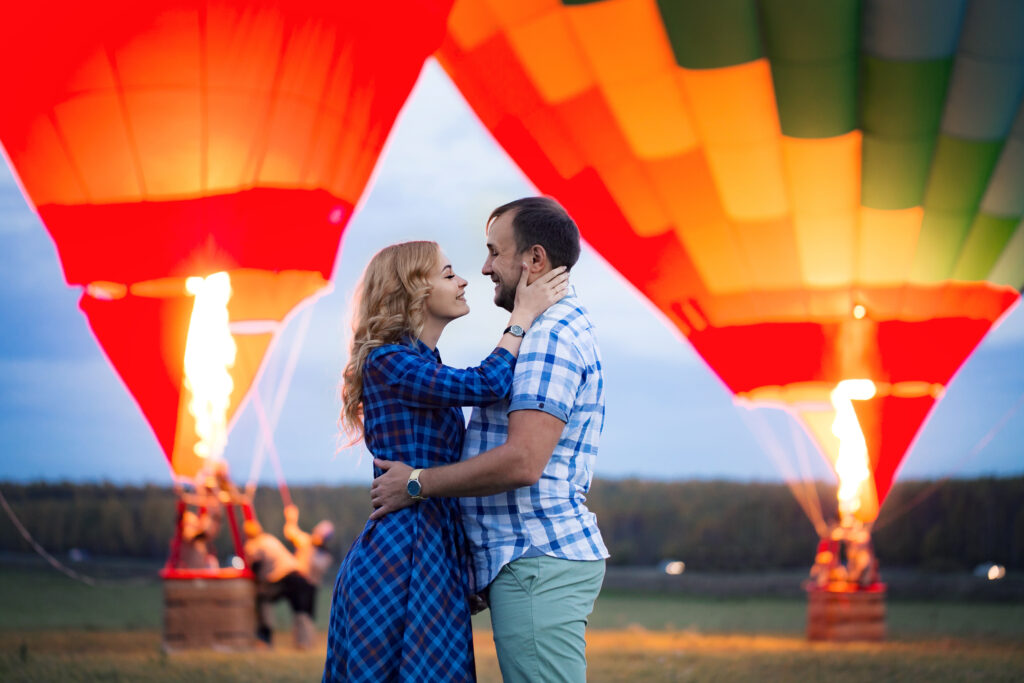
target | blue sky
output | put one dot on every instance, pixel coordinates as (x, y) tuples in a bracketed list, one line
[(64, 414)]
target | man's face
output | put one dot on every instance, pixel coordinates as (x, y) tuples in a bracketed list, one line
[(504, 262)]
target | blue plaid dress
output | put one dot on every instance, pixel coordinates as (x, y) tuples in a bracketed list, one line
[(400, 609)]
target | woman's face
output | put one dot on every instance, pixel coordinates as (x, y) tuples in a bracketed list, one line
[(447, 299)]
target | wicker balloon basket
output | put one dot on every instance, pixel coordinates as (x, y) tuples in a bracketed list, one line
[(212, 609), (847, 614)]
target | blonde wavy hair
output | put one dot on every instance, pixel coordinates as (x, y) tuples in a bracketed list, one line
[(390, 301)]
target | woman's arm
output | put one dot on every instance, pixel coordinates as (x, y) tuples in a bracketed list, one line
[(422, 382)]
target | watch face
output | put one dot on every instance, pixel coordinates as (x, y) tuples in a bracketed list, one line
[(414, 488), (517, 331)]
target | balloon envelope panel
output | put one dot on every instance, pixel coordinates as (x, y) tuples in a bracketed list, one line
[(810, 192), (163, 140)]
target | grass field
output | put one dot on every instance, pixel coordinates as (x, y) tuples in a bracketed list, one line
[(55, 629)]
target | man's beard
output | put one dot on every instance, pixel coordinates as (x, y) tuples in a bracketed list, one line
[(505, 297)]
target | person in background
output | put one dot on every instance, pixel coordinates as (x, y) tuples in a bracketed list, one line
[(194, 552), (277, 576), (313, 560)]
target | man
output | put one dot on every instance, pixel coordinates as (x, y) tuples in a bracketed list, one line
[(277, 576), (312, 560), (538, 552), (311, 554)]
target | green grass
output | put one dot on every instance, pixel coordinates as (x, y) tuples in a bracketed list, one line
[(37, 599), (53, 628), (782, 616), (41, 599)]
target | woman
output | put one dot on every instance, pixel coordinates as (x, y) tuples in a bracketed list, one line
[(400, 609)]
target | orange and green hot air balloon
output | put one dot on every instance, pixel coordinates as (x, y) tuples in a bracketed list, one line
[(812, 192), (161, 141)]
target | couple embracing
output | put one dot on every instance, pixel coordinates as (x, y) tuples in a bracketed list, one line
[(489, 515)]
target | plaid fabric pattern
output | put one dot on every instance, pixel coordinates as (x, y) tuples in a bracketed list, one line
[(558, 372), (400, 609)]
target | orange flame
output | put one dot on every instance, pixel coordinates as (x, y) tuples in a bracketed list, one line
[(209, 353), (852, 465)]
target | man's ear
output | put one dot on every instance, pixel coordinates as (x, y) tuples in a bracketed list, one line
[(536, 258)]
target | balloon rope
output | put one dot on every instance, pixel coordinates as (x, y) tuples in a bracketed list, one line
[(282, 485), (279, 396), (88, 581), (769, 444), (978, 448), (810, 487)]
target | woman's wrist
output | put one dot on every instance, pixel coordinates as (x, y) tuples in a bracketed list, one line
[(519, 319)]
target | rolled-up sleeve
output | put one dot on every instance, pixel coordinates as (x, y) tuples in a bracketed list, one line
[(418, 381), (548, 374)]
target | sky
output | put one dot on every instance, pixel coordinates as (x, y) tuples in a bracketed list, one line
[(65, 415)]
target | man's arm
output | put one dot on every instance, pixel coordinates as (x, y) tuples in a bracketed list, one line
[(520, 461)]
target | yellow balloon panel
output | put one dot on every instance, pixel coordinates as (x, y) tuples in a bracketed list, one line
[(770, 248), (231, 138), (823, 174), (824, 182), (716, 254), (168, 157), (826, 247), (687, 189), (750, 181), (733, 105), (287, 132), (888, 240), (652, 115)]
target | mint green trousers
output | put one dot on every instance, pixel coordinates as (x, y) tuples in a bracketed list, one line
[(539, 611)]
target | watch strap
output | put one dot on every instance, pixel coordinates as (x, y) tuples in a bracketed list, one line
[(414, 476)]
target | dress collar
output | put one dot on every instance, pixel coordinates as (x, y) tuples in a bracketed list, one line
[(417, 345)]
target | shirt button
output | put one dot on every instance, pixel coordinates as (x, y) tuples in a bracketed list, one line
[(541, 405)]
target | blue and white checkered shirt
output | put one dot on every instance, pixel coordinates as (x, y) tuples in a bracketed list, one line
[(558, 372)]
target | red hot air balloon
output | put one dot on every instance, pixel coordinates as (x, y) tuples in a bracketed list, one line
[(813, 193), (173, 139)]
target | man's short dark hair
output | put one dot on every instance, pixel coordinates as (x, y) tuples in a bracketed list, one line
[(543, 221)]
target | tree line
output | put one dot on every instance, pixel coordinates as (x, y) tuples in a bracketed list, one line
[(954, 524)]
